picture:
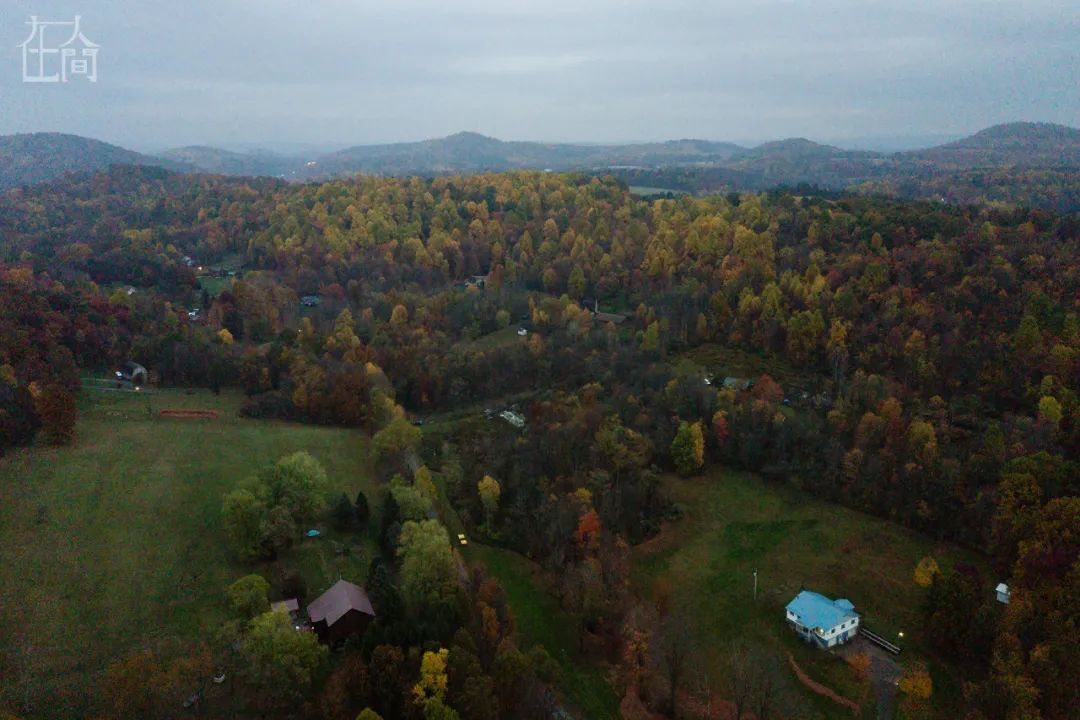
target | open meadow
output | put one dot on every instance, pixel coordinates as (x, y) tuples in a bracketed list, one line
[(116, 541), (736, 523)]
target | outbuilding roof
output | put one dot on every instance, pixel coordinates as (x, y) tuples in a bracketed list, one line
[(814, 610), (342, 597), (289, 605), (615, 318)]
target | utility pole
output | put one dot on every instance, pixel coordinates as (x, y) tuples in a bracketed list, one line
[(755, 583)]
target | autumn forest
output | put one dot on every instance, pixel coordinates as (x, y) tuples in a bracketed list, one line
[(535, 358)]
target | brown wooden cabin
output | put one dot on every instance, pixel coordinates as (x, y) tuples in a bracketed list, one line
[(341, 612)]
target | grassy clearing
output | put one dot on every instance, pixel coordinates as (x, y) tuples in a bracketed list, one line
[(722, 360), (647, 190), (214, 286), (505, 337), (116, 541), (541, 621), (735, 523)]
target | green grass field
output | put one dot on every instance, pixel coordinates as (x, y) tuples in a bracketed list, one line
[(736, 523), (116, 541)]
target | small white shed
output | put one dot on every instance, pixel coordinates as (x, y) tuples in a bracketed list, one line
[(1002, 591)]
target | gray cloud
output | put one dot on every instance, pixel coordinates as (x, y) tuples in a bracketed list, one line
[(336, 71)]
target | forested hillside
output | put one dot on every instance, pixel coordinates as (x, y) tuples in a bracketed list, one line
[(1025, 144), (922, 361), (32, 158)]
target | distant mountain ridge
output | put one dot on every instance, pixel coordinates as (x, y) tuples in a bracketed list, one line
[(687, 164), (471, 152)]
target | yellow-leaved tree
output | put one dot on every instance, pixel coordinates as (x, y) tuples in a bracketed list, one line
[(925, 571), (489, 490), (917, 683), (430, 690), (688, 448)]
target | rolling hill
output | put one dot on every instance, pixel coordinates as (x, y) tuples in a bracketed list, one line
[(31, 158), (798, 160), (226, 162), (1023, 143)]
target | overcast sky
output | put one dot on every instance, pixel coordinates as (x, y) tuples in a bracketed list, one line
[(333, 71)]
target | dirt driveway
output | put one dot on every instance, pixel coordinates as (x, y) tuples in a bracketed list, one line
[(884, 671)]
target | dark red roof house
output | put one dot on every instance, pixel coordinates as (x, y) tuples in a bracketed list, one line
[(341, 612)]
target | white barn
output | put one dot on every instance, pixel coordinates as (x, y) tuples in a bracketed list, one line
[(821, 621)]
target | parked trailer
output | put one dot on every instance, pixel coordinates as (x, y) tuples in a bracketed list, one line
[(879, 641)]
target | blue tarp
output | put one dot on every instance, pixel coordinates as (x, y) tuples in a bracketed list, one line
[(313, 533)]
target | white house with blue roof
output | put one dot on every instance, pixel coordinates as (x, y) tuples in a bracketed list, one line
[(821, 621)]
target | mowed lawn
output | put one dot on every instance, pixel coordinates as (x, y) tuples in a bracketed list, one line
[(117, 542), (736, 523)]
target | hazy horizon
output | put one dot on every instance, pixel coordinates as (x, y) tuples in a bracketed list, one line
[(328, 73), (297, 149), (873, 143), (291, 148)]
